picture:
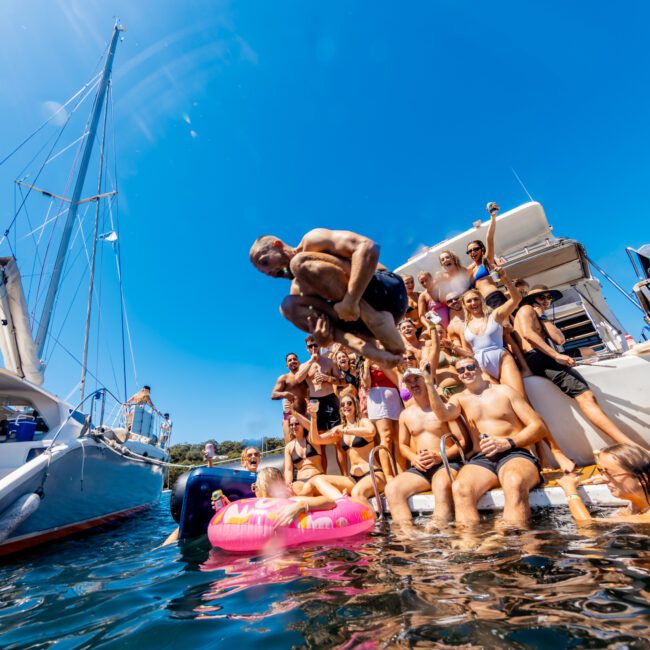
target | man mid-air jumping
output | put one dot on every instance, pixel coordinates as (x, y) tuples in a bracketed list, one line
[(338, 290)]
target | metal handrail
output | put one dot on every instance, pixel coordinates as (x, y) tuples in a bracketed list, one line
[(443, 452), (371, 465)]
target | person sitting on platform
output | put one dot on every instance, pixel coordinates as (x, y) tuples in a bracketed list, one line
[(538, 335), (339, 291), (502, 424), (356, 436), (420, 433), (302, 459), (626, 470)]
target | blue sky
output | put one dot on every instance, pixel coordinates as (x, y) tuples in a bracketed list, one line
[(239, 119)]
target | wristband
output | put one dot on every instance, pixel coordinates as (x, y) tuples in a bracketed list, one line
[(573, 496), (511, 442)]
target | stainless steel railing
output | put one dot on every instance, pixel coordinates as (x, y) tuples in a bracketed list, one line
[(371, 459)]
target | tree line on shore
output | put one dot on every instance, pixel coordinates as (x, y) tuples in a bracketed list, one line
[(192, 454)]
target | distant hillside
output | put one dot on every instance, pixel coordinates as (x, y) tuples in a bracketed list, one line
[(185, 453)]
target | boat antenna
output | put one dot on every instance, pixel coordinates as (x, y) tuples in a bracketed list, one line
[(528, 194), (48, 305)]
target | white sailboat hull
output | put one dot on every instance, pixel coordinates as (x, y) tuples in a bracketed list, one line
[(83, 485)]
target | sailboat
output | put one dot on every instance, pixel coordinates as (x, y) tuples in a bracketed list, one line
[(68, 467)]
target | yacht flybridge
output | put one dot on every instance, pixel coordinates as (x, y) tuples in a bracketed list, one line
[(64, 467)]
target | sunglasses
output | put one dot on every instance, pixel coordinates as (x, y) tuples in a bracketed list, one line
[(607, 475), (312, 345), (292, 425), (545, 296), (347, 403), (450, 300), (470, 367), (473, 250)]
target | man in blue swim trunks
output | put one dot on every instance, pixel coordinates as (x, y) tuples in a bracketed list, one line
[(502, 424), (339, 291)]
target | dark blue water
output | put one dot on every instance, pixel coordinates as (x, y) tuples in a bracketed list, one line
[(552, 586)]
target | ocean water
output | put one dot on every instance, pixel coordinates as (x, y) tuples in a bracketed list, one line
[(552, 586)]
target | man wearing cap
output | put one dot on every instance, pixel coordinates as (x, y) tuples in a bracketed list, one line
[(420, 431), (537, 335)]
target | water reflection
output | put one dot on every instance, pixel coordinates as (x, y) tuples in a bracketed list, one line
[(552, 585)]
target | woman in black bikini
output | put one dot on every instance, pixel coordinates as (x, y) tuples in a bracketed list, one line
[(357, 437), (302, 459)]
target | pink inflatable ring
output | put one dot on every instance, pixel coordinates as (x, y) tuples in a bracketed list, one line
[(247, 524)]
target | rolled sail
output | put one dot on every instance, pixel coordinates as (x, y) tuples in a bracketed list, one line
[(16, 342)]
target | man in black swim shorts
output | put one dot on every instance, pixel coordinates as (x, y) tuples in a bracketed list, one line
[(420, 432), (339, 291), (501, 424), (538, 335)]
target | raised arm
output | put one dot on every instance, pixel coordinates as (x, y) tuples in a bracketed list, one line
[(493, 209), (303, 371), (364, 429), (502, 313)]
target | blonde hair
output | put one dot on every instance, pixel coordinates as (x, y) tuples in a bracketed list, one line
[(265, 478), (453, 256), (355, 402), (468, 316), (244, 458)]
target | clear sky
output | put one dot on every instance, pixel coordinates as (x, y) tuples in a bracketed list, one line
[(235, 119)]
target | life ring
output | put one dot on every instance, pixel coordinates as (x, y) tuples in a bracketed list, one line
[(247, 524)]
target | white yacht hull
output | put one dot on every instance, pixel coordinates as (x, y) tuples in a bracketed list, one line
[(84, 484)]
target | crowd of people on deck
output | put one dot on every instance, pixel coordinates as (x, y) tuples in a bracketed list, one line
[(415, 375)]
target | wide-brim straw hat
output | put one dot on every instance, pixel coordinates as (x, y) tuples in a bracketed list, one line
[(537, 290)]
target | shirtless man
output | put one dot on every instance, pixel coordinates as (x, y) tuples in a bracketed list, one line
[(338, 291), (420, 431), (293, 396), (456, 318), (406, 329), (501, 425), (536, 334), (321, 375)]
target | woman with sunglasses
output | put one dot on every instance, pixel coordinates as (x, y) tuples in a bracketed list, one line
[(250, 459), (483, 262), (626, 470), (357, 437), (302, 459)]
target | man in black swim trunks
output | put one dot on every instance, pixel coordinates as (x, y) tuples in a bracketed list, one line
[(537, 335), (501, 425), (420, 431), (339, 291)]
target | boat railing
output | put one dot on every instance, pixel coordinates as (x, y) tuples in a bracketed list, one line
[(443, 452), (371, 464)]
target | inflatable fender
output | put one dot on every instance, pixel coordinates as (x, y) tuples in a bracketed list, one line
[(177, 495), (248, 524)]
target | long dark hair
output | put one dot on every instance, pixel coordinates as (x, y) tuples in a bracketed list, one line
[(634, 460)]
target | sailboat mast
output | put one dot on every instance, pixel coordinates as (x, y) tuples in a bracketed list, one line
[(91, 282), (48, 305)]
